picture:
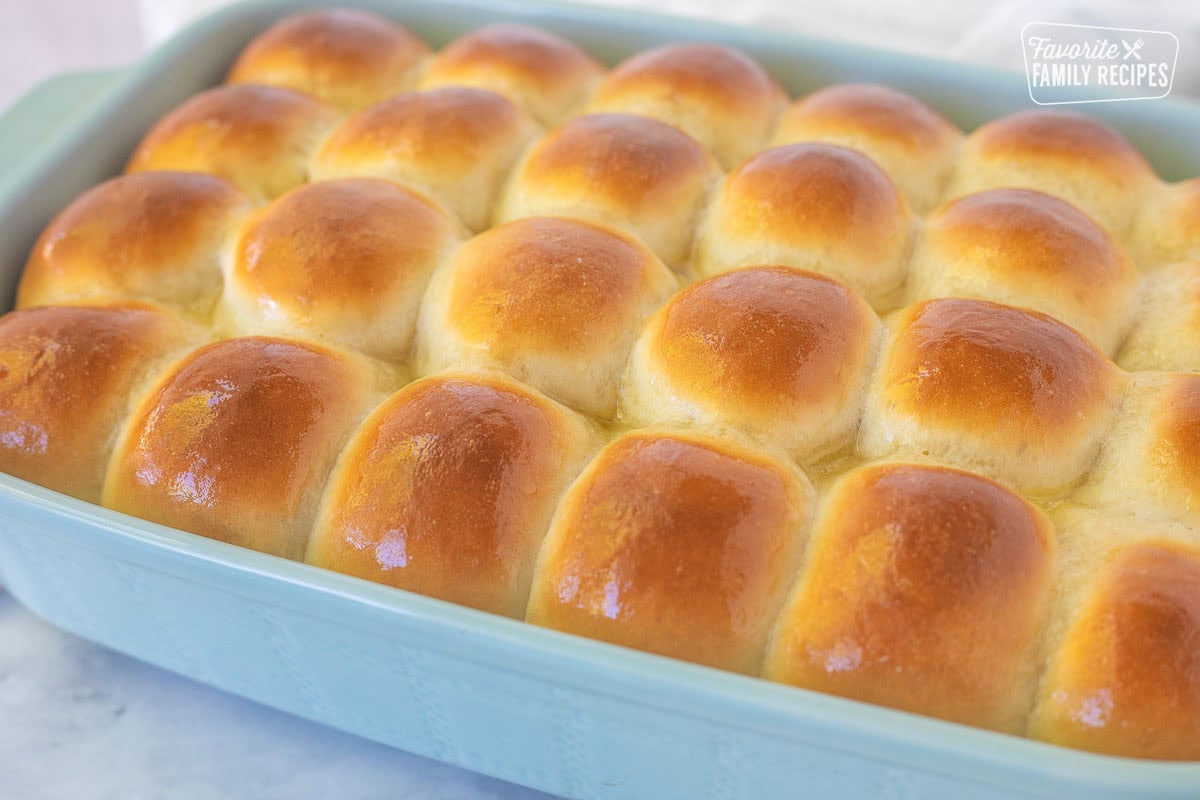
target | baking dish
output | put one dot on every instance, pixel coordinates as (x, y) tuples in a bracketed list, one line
[(570, 716)]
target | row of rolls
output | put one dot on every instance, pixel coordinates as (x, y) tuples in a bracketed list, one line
[(795, 419)]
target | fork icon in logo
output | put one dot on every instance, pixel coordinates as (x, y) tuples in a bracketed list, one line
[(1132, 49)]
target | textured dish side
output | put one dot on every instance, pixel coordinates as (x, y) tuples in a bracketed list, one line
[(578, 718)]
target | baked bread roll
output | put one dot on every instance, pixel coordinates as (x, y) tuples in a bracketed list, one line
[(634, 173), (457, 144), (716, 94), (236, 441), (154, 235), (345, 56), (1026, 248), (780, 354), (1166, 329), (915, 145), (679, 545), (1068, 155), (1167, 227), (67, 377), (1004, 391), (345, 260), (555, 302), (259, 138), (448, 488), (817, 207), (548, 75), (1126, 680), (925, 590)]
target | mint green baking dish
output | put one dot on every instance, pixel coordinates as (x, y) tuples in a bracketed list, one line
[(532, 706)]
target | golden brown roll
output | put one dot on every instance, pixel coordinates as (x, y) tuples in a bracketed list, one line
[(813, 206), (777, 353), (717, 94), (1068, 155), (555, 302), (348, 57), (259, 138), (236, 441), (624, 170), (67, 375), (925, 591), (1029, 249), (1166, 329), (679, 545), (154, 235), (1126, 680), (913, 144), (344, 260), (448, 488), (1167, 226), (548, 75), (457, 144), (1005, 391)]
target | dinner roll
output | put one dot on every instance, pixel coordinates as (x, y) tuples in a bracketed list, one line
[(1167, 227), (631, 172), (1126, 681), (346, 260), (260, 138), (154, 235), (1005, 391), (448, 488), (679, 545), (814, 206), (1063, 153), (925, 591), (1166, 328), (67, 375), (717, 94), (555, 302), (237, 440), (348, 57), (781, 354), (1026, 248), (548, 75), (457, 144), (914, 144)]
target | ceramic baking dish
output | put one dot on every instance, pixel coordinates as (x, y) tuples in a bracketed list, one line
[(540, 708)]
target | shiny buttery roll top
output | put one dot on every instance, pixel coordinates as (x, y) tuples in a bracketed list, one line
[(259, 138), (345, 56), (1068, 155), (152, 235), (555, 302), (818, 207), (925, 591), (1167, 228), (67, 377), (458, 144), (546, 74), (914, 144), (717, 94), (1005, 391), (448, 488), (781, 354), (237, 440), (1166, 329), (345, 260), (675, 544), (624, 170), (1126, 680), (1029, 249)]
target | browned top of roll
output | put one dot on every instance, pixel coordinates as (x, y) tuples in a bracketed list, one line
[(66, 373), (346, 56), (150, 234), (924, 592), (1127, 679), (867, 110), (1176, 445), (1062, 137)]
